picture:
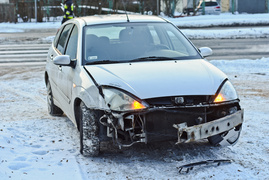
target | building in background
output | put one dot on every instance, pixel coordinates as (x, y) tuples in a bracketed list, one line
[(177, 7), (245, 6), (252, 6), (225, 5)]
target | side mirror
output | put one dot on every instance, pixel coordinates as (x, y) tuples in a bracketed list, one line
[(63, 60), (205, 51)]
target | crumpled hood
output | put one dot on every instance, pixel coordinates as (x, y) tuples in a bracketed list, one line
[(160, 79)]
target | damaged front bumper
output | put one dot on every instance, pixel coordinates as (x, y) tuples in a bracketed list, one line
[(212, 128), (221, 124)]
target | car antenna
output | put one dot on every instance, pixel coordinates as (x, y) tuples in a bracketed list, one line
[(125, 11)]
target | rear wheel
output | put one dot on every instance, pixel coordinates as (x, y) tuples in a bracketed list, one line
[(89, 140), (52, 108)]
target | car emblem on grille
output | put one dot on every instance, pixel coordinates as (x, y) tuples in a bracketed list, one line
[(179, 100)]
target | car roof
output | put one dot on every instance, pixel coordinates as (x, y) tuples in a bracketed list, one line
[(120, 18)]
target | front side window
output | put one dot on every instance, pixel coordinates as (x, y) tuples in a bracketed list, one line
[(129, 42), (56, 39), (71, 48)]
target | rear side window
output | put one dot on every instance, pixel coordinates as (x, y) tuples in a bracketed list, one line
[(63, 38)]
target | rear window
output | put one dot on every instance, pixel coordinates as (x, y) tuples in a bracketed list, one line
[(210, 4)]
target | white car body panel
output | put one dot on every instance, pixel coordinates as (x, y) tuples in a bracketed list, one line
[(160, 79), (103, 19)]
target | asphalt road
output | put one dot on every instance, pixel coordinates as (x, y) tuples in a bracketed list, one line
[(228, 49)]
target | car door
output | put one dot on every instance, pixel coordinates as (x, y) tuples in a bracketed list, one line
[(57, 77), (51, 68), (67, 72)]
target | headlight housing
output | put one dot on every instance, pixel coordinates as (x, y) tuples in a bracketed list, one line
[(227, 93), (118, 100)]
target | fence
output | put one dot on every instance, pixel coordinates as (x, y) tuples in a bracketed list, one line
[(7, 12), (24, 10)]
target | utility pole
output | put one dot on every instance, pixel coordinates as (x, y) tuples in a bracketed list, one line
[(267, 4), (173, 7), (233, 6), (158, 7), (203, 7), (35, 12)]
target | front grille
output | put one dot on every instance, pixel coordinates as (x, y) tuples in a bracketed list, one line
[(159, 124), (170, 101)]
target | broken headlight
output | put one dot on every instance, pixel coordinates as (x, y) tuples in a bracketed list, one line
[(118, 100), (226, 93)]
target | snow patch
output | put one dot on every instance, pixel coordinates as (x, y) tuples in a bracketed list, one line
[(34, 145), (227, 33), (224, 19)]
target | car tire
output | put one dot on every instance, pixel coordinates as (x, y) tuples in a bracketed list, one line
[(52, 108), (89, 130)]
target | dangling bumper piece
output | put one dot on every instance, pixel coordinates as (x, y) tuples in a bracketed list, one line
[(205, 130)]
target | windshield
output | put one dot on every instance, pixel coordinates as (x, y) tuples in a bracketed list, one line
[(133, 42)]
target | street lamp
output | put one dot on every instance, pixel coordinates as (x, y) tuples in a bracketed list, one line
[(35, 12), (158, 7)]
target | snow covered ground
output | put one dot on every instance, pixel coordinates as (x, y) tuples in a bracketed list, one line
[(262, 32), (34, 145), (224, 19)]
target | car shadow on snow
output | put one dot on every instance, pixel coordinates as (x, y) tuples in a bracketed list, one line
[(162, 152)]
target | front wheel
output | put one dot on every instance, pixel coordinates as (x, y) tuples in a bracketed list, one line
[(89, 129)]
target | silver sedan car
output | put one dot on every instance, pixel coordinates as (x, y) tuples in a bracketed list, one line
[(138, 79)]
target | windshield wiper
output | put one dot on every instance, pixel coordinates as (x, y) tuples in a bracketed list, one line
[(152, 58), (149, 58), (102, 62)]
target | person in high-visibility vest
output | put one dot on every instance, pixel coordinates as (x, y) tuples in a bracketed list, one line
[(68, 10)]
